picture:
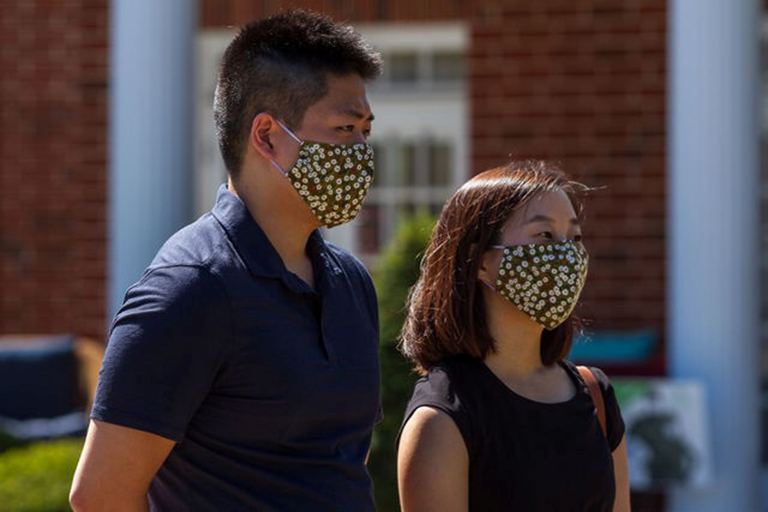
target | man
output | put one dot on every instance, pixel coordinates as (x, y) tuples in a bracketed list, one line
[(242, 370)]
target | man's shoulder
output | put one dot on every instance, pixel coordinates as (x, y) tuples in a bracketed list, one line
[(180, 287), (348, 261), (197, 244)]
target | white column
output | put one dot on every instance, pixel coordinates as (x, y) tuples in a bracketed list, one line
[(151, 132), (714, 234)]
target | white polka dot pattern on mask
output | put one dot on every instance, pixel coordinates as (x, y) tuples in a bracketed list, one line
[(333, 179), (544, 281)]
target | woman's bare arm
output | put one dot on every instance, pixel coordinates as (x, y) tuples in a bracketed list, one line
[(621, 472), (432, 464)]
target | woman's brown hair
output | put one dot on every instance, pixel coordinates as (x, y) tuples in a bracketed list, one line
[(445, 313)]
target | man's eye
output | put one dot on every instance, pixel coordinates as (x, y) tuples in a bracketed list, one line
[(349, 128), (577, 238)]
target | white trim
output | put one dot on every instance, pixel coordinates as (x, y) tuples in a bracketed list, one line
[(714, 195), (151, 134), (209, 170), (415, 36)]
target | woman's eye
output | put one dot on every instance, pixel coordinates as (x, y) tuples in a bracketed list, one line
[(546, 234), (577, 238), (349, 128)]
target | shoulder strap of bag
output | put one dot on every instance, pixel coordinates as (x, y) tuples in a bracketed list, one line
[(595, 393)]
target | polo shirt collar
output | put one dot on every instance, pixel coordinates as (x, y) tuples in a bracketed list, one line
[(258, 253)]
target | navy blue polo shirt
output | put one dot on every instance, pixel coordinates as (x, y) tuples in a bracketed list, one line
[(269, 388)]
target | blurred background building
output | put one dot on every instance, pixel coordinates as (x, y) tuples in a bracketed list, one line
[(107, 147)]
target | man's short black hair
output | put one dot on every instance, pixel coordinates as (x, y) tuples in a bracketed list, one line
[(279, 65)]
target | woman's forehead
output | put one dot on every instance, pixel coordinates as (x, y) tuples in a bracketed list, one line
[(553, 204)]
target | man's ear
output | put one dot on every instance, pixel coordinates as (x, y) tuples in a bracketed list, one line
[(263, 129)]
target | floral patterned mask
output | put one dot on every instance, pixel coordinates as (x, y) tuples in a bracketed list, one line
[(333, 179), (544, 281)]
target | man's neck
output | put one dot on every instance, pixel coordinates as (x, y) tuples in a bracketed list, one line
[(286, 234)]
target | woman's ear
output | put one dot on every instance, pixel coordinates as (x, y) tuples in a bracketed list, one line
[(487, 271)]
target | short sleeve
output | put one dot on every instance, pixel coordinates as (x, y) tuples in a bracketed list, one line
[(363, 282), (373, 306), (355, 266), (614, 422), (165, 348), (436, 391)]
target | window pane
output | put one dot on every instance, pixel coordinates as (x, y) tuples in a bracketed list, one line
[(379, 175), (404, 169), (448, 66), (403, 67), (369, 229), (439, 164), (436, 209)]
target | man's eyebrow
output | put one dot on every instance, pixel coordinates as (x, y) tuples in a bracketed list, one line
[(543, 218), (353, 112)]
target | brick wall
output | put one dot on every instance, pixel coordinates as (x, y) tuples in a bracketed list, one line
[(220, 13), (583, 82), (53, 153)]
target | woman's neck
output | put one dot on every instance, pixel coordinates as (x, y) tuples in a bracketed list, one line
[(517, 359), (518, 339)]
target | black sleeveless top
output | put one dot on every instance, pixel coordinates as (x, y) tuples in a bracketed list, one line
[(526, 455)]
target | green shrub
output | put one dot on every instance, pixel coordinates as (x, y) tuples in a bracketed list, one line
[(37, 477), (397, 270), (7, 441)]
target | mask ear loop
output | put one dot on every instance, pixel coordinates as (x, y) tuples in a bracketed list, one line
[(294, 137), (289, 132), (277, 165), (491, 287)]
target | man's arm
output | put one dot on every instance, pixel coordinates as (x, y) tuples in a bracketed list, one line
[(116, 468), (163, 355)]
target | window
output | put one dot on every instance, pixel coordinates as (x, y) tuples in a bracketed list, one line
[(410, 176), (403, 67), (448, 66), (429, 56), (420, 133)]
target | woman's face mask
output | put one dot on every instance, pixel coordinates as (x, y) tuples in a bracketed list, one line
[(543, 281), (333, 179)]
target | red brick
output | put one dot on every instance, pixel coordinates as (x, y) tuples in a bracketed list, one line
[(43, 145)]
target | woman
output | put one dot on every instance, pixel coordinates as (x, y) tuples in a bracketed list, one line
[(500, 421)]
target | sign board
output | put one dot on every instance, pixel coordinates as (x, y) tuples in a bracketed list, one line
[(667, 433)]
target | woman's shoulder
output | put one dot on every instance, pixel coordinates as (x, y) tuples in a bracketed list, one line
[(600, 376), (451, 374), (615, 422), (447, 388)]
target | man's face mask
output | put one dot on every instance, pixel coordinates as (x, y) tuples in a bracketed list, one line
[(544, 281), (333, 179)]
